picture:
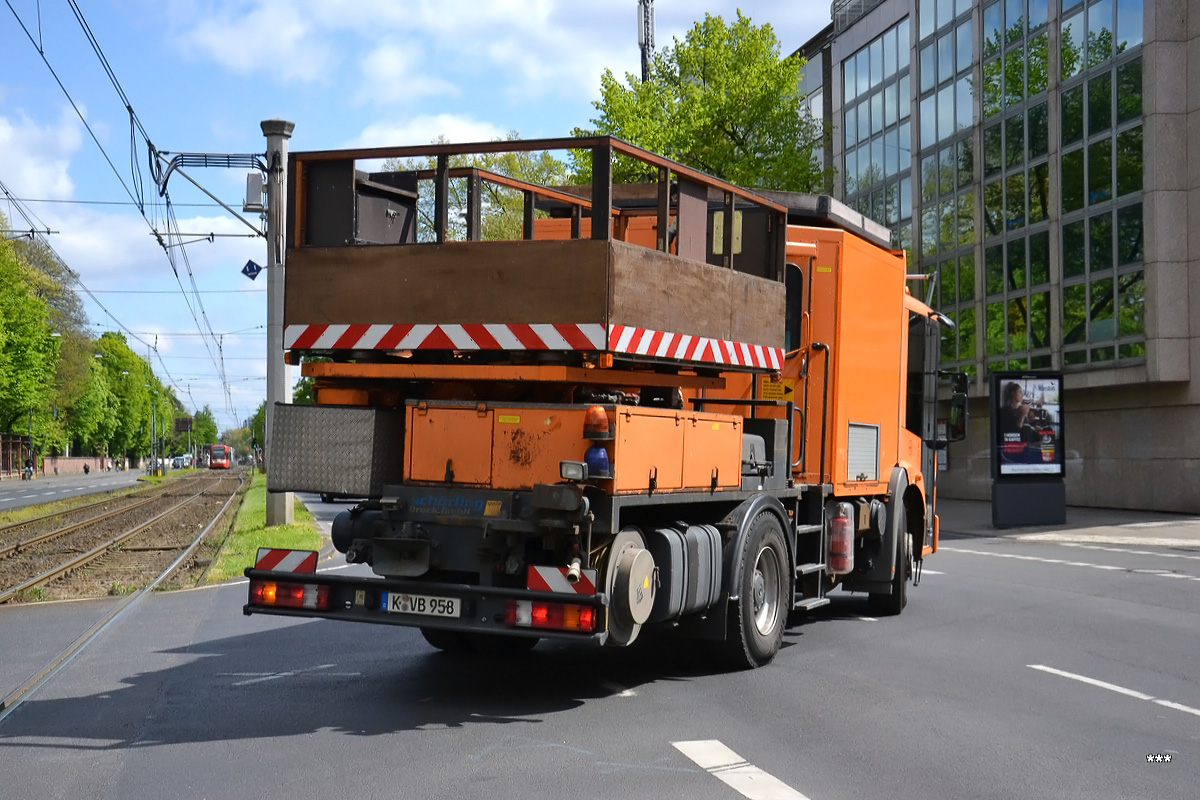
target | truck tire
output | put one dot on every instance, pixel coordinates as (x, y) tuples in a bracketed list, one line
[(891, 603), (448, 641), (756, 632), (491, 644)]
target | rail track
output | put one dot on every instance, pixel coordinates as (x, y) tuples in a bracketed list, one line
[(88, 553), (18, 536)]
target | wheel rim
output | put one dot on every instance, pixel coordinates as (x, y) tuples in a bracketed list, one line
[(764, 590)]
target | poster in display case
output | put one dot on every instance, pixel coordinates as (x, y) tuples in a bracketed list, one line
[(1028, 429)]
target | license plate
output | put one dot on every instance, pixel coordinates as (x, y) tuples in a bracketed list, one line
[(402, 603)]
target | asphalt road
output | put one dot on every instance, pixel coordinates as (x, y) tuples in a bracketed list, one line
[(17, 493), (1023, 667)]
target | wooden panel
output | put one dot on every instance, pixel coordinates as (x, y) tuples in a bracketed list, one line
[(756, 310), (552, 281), (458, 282), (692, 238), (661, 292)]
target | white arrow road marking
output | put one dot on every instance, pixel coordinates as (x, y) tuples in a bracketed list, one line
[(735, 772)]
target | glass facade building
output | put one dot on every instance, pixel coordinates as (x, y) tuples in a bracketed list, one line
[(1030, 159)]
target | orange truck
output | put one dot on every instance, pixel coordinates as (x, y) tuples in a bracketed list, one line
[(584, 413)]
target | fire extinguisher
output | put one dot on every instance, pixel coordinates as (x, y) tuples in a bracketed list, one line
[(841, 541)]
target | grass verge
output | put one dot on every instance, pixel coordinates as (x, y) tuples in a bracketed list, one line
[(251, 532)]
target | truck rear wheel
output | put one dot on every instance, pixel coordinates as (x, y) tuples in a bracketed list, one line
[(757, 630), (890, 604), (491, 644), (449, 641)]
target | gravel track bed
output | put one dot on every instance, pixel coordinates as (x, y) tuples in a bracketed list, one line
[(138, 560)]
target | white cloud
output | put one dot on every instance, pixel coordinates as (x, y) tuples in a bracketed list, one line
[(391, 73), (425, 129), (276, 38), (36, 158)]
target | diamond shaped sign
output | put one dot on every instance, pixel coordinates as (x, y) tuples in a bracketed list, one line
[(251, 270)]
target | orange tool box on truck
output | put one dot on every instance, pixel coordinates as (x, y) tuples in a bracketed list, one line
[(678, 404)]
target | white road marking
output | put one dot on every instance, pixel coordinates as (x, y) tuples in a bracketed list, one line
[(1158, 573), (1179, 707), (273, 676), (1130, 552), (925, 572), (1104, 538), (1112, 687), (617, 689), (735, 772), (868, 619)]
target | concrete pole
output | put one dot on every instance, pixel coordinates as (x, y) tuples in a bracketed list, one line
[(280, 508)]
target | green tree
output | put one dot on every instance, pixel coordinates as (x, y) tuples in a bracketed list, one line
[(127, 376), (204, 427), (28, 350), (304, 393), (721, 101), (258, 424), (92, 420)]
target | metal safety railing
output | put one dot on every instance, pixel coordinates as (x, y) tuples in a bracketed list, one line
[(846, 12)]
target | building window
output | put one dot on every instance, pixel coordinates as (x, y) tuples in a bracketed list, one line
[(1103, 291), (876, 131)]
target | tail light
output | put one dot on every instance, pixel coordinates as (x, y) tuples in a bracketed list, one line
[(550, 616), (289, 595), (841, 542)]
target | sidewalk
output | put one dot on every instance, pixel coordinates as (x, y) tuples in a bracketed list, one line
[(974, 518)]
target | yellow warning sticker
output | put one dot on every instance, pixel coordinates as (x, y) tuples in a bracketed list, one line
[(777, 390), (509, 419), (716, 426), (646, 582), (491, 508)]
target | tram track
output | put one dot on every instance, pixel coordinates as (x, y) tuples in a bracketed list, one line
[(164, 522), (17, 536)]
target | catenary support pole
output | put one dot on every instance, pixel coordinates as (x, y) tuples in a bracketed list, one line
[(279, 505)]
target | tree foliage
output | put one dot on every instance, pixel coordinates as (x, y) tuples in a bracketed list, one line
[(204, 427), (74, 394), (721, 101), (28, 350)]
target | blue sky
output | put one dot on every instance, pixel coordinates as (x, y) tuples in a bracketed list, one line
[(201, 74)]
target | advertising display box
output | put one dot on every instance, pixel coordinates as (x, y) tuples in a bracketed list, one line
[(1028, 451)]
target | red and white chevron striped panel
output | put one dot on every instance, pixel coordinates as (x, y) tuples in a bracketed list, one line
[(286, 560), (444, 337), (560, 336), (554, 579), (682, 347)]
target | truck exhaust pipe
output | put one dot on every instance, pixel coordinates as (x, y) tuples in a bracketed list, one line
[(574, 571)]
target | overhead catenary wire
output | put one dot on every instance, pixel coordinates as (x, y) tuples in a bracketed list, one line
[(168, 232)]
